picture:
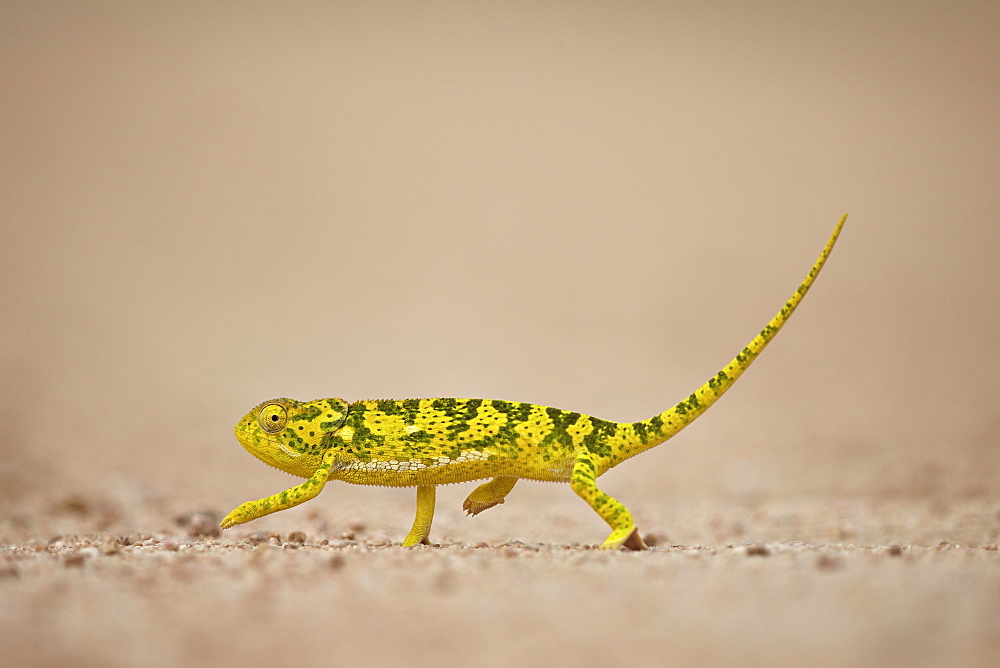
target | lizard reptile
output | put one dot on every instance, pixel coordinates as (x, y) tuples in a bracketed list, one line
[(423, 443)]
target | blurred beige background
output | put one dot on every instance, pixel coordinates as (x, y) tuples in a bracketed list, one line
[(585, 205)]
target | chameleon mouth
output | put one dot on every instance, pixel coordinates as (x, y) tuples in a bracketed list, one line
[(250, 434), (288, 451)]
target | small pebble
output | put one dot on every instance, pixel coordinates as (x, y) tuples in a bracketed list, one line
[(828, 562), (110, 545), (74, 560), (895, 550), (297, 537), (341, 543), (203, 525), (758, 551)]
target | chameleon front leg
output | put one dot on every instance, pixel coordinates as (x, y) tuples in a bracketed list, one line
[(425, 515), (251, 510), (583, 480), (488, 495)]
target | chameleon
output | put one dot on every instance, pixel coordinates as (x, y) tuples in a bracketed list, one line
[(423, 443)]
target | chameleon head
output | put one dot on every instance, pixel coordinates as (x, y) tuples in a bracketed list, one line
[(288, 434)]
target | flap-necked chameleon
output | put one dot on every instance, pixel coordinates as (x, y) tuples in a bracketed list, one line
[(423, 443)]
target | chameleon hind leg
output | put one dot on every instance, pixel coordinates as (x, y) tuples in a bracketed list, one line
[(421, 529), (488, 494), (583, 480)]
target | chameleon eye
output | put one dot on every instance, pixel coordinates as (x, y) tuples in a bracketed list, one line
[(272, 418)]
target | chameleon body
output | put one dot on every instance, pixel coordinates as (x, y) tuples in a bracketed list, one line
[(423, 443)]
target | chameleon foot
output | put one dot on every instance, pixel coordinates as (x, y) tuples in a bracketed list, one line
[(425, 515), (472, 507), (632, 542), (488, 494)]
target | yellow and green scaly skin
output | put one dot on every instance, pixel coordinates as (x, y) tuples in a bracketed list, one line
[(427, 442)]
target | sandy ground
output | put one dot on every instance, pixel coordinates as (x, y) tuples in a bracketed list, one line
[(814, 581)]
